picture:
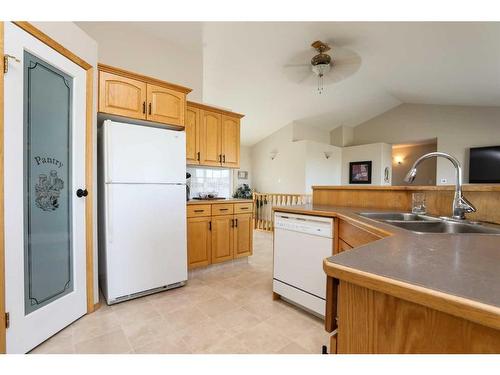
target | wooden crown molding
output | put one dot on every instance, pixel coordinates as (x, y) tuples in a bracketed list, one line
[(215, 109), (143, 78)]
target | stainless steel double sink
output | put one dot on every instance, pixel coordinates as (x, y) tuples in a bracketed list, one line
[(429, 224)]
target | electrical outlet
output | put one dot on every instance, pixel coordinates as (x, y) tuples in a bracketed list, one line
[(444, 180)]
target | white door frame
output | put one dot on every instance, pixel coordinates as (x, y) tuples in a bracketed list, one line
[(88, 133)]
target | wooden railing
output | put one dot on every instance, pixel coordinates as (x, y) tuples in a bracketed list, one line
[(264, 202)]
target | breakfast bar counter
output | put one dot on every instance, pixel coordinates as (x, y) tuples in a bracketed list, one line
[(404, 286)]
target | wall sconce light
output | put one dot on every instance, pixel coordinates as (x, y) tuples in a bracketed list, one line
[(398, 159), (273, 154), (328, 154)]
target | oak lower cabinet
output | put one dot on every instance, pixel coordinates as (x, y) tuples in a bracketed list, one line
[(212, 136), (217, 235), (199, 241), (243, 235), (222, 238)]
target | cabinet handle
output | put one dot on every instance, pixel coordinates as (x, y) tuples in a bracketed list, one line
[(243, 208), (198, 155), (220, 158), (144, 107), (232, 223), (149, 109), (223, 209), (236, 223), (199, 210), (224, 158), (209, 225)]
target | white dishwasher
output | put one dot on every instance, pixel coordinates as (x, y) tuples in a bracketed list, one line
[(301, 243)]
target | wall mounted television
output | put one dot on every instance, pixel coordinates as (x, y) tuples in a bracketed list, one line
[(484, 165)]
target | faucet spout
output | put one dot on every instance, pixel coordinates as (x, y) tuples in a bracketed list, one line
[(461, 205)]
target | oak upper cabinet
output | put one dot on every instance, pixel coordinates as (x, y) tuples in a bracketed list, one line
[(122, 96), (192, 125), (222, 238), (210, 138), (166, 105), (199, 241), (230, 141), (128, 94), (243, 233)]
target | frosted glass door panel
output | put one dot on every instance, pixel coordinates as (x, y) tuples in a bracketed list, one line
[(47, 157)]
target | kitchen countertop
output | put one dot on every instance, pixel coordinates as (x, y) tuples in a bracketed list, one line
[(211, 201), (465, 266)]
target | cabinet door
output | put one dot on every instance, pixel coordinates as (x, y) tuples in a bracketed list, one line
[(122, 96), (192, 135), (243, 232), (230, 142), (210, 138), (199, 241), (222, 238), (166, 105)]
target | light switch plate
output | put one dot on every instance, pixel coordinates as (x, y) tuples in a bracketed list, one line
[(444, 180)]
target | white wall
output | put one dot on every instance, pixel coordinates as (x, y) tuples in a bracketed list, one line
[(77, 41), (321, 170), (143, 53), (245, 165), (284, 174), (379, 153), (457, 128)]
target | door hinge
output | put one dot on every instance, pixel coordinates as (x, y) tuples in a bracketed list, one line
[(7, 320), (6, 58)]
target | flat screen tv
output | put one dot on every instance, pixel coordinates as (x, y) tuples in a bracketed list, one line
[(484, 165)]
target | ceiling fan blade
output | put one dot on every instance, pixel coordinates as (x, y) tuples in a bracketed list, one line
[(297, 65)]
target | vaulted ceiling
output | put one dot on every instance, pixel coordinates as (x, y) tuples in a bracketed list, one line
[(431, 63)]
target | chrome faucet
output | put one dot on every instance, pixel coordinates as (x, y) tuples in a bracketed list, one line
[(461, 206)]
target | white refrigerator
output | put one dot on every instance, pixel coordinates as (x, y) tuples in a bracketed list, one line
[(142, 210)]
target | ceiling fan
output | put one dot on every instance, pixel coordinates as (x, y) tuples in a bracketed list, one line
[(325, 68)]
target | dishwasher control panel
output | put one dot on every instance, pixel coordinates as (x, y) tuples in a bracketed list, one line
[(313, 225)]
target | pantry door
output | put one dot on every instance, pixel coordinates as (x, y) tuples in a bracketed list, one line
[(44, 167)]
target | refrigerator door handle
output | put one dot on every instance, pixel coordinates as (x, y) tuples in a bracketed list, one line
[(107, 145), (109, 227)]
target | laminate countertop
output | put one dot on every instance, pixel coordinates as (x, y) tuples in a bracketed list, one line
[(458, 269), (212, 201)]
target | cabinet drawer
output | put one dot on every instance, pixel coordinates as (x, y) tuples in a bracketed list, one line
[(243, 207), (222, 209), (197, 210), (355, 236)]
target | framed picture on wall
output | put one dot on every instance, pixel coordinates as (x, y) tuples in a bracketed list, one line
[(360, 172)]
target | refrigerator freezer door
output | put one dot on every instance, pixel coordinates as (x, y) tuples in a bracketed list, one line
[(145, 237), (142, 154)]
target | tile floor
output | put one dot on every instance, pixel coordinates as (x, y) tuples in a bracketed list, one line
[(225, 308)]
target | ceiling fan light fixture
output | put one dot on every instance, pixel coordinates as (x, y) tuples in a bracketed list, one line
[(320, 70)]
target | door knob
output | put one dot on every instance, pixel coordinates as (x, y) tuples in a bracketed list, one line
[(82, 193)]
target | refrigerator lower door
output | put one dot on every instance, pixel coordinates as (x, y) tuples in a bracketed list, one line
[(142, 154), (145, 238)]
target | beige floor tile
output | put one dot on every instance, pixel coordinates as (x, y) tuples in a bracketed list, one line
[(169, 344), (200, 337), (263, 339), (232, 345), (225, 308), (237, 321), (113, 342), (217, 306), (293, 348)]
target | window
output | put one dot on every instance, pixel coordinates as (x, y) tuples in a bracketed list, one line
[(208, 180)]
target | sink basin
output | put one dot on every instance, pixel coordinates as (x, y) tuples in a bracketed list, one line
[(443, 226), (399, 216)]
